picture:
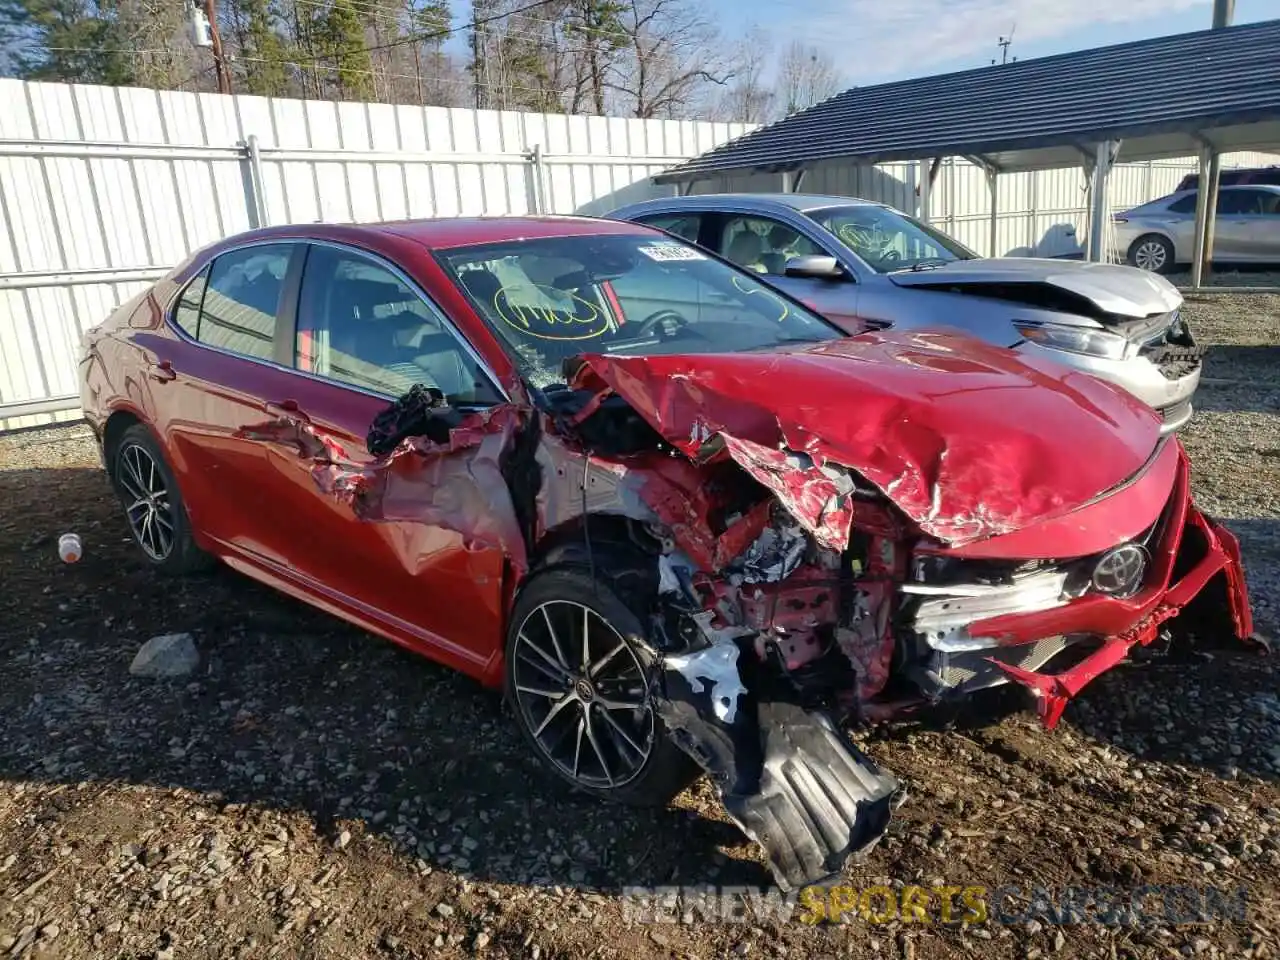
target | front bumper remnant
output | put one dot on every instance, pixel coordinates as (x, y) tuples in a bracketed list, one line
[(789, 777), (1166, 598)]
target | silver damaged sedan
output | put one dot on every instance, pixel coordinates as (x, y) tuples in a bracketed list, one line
[(867, 263)]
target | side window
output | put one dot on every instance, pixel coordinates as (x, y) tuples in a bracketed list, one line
[(242, 297), (763, 245), (187, 312), (684, 225), (1239, 202), (1186, 204), (360, 324)]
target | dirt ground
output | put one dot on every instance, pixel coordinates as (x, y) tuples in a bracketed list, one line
[(313, 792)]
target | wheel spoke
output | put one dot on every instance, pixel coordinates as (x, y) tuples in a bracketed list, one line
[(541, 692), (596, 667), (553, 713), (617, 728), (561, 672), (555, 639), (577, 743), (610, 704), (145, 533), (140, 487), (546, 671), (132, 489), (586, 638), (595, 745)]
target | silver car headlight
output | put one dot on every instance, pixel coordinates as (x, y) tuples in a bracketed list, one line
[(1094, 343)]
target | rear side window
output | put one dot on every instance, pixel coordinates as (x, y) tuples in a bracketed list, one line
[(1243, 202), (242, 298), (187, 313), (684, 225)]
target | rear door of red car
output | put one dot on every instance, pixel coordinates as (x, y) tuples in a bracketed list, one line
[(365, 333), (210, 388)]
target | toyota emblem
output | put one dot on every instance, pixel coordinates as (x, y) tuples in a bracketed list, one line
[(1121, 570)]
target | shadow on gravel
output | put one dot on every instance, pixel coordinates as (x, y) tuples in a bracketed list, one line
[(291, 708), (1240, 379)]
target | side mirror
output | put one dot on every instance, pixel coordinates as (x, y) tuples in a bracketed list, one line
[(816, 267)]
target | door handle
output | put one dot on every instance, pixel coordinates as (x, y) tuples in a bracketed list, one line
[(287, 410), (162, 371)]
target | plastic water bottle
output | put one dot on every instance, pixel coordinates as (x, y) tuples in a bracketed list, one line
[(69, 548)]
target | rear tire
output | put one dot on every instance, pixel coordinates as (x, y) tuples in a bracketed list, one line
[(1153, 253), (153, 504), (572, 706)]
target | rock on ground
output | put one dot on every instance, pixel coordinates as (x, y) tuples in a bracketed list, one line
[(171, 655)]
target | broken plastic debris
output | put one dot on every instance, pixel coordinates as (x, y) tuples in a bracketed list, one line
[(718, 666)]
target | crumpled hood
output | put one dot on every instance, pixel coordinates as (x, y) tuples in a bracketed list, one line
[(1112, 288), (968, 440)]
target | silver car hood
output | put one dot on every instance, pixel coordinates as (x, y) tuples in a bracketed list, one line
[(1111, 288)]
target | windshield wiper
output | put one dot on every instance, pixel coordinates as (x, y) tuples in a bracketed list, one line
[(928, 263)]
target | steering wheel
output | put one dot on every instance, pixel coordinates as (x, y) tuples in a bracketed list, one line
[(890, 255), (671, 321)]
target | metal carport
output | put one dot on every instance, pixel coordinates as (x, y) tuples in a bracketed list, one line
[(1206, 93)]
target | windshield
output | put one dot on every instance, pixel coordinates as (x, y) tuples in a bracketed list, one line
[(553, 298), (888, 240)]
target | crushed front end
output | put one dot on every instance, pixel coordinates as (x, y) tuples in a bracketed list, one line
[(811, 599), (800, 571)]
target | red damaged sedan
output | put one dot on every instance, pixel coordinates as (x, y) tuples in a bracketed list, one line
[(672, 512)]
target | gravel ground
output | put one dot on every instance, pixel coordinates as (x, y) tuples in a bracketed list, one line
[(313, 792)]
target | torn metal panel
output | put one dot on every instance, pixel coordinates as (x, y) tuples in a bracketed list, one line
[(457, 484), (611, 486), (950, 431)]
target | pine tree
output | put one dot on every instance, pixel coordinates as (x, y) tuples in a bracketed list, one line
[(67, 40), (342, 43), (263, 50)]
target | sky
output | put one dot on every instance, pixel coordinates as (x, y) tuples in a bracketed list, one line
[(877, 41)]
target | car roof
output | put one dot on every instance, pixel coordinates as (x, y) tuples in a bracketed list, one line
[(1224, 188), (796, 201), (466, 231), (448, 232)]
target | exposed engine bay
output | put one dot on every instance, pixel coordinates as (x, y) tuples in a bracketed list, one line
[(797, 580)]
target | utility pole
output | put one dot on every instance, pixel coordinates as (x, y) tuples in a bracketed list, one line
[(219, 61), (475, 53)]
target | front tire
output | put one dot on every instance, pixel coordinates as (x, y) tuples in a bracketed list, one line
[(1153, 253), (153, 504), (580, 691)]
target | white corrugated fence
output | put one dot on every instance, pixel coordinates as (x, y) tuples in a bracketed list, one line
[(103, 189)]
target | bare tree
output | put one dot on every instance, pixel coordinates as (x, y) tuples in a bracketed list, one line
[(748, 99), (806, 76), (674, 57)]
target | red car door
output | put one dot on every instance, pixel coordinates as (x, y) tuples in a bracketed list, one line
[(210, 382), (364, 335)]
